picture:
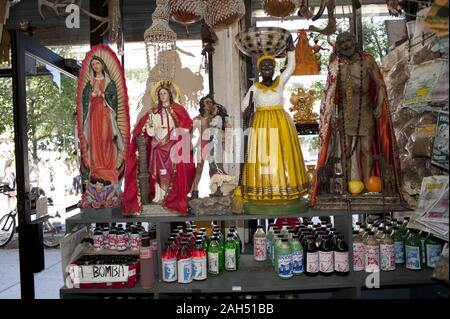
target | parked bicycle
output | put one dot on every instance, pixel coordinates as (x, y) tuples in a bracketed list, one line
[(52, 228)]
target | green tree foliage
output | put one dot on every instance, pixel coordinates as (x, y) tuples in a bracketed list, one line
[(375, 39)]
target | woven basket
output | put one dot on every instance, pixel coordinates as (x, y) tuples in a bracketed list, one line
[(186, 11), (257, 41), (279, 8), (223, 13)]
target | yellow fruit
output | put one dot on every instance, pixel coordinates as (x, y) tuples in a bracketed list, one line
[(355, 186)]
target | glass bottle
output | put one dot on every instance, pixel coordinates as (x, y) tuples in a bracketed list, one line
[(284, 257), (169, 263), (121, 241), (184, 263), (334, 238), (387, 252), (233, 229), (379, 234), (422, 237), (372, 253), (214, 256), (413, 250), (276, 234), (399, 245), (404, 225), (259, 244), (370, 225), (297, 256), (312, 257), (199, 267), (147, 272), (433, 251), (98, 239), (358, 226), (326, 264), (269, 237), (277, 244), (238, 244), (230, 253), (341, 260), (358, 251)]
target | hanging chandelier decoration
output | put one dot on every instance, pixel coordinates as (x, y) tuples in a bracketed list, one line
[(223, 13), (280, 8), (160, 44), (186, 12)]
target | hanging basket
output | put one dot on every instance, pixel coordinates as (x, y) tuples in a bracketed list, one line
[(280, 8), (186, 12), (223, 13), (257, 41)]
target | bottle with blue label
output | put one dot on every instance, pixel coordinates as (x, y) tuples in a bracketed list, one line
[(297, 256), (199, 267), (413, 250), (399, 245), (184, 264), (433, 251), (284, 260), (169, 263)]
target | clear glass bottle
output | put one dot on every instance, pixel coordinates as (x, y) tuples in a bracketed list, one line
[(433, 251), (404, 225), (284, 260), (379, 234), (259, 244), (169, 263), (341, 258), (387, 252), (297, 256), (413, 251), (184, 263), (372, 253), (358, 251)]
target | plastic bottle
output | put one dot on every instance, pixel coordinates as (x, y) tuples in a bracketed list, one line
[(387, 252), (297, 256), (199, 265), (230, 253), (147, 271), (259, 244), (214, 256), (372, 254), (184, 264), (284, 260), (433, 251), (341, 258), (399, 245), (311, 257), (169, 263), (358, 251), (413, 250), (326, 264)]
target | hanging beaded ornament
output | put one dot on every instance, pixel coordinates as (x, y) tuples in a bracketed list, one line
[(280, 8), (223, 13), (186, 12), (160, 44)]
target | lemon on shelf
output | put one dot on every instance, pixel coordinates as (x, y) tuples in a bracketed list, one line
[(355, 186)]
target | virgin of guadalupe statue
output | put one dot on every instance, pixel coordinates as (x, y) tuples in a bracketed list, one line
[(274, 171), (165, 130), (103, 124)]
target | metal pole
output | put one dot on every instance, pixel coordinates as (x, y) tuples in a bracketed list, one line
[(209, 54), (22, 170)]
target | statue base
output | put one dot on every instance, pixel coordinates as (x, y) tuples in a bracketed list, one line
[(364, 202), (101, 212), (215, 205), (277, 208)]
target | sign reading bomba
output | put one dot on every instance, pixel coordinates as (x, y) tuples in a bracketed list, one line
[(99, 273)]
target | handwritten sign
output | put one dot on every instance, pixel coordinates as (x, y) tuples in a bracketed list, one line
[(99, 273)]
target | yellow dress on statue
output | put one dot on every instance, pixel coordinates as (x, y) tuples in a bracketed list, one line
[(274, 170)]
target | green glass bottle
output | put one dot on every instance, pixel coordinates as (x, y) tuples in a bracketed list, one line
[(230, 253), (276, 233), (221, 252), (399, 244), (214, 256), (404, 226), (413, 250), (433, 251), (238, 244), (269, 237)]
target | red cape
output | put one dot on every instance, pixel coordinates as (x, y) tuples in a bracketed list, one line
[(181, 182)]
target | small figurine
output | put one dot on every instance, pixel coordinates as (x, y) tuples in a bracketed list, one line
[(302, 105)]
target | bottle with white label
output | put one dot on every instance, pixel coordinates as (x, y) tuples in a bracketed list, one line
[(146, 263), (341, 261), (169, 263), (284, 260), (326, 263), (259, 244), (214, 256), (230, 254), (413, 250), (399, 244), (269, 237), (311, 257), (387, 252), (372, 253), (184, 264), (297, 256), (358, 251), (433, 251), (276, 234), (199, 265)]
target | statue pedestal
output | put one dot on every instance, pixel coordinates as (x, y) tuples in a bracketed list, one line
[(277, 208), (219, 205), (363, 202)]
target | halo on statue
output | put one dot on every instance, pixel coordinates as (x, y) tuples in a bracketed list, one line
[(257, 41), (174, 88)]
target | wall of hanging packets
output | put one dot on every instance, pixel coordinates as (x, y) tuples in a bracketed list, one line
[(416, 75)]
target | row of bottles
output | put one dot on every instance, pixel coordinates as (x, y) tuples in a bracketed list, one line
[(388, 245), (117, 237), (303, 249), (192, 255)]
